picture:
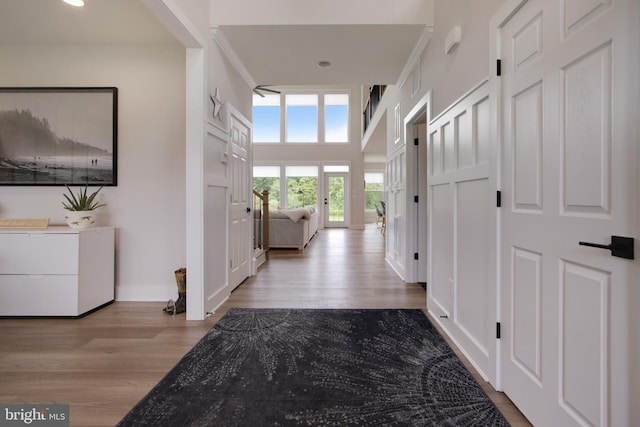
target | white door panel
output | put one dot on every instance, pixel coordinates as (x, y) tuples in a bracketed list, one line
[(461, 270), (215, 221), (215, 228), (441, 232), (472, 235), (566, 141), (396, 211)]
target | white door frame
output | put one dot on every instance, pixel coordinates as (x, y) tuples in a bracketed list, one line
[(497, 22), (416, 158)]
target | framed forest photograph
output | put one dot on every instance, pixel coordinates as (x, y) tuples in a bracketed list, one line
[(58, 136)]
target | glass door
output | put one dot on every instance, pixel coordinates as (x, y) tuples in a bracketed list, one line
[(336, 200)]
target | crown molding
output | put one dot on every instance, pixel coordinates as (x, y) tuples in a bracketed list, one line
[(222, 42), (421, 44)]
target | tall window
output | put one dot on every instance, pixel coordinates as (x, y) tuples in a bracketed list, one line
[(268, 178), (336, 118), (302, 186), (373, 189), (302, 118), (266, 118)]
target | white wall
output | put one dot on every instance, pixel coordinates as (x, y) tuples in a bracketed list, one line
[(450, 76), (443, 79), (207, 69), (447, 77), (235, 95), (148, 204), (395, 180), (233, 89)]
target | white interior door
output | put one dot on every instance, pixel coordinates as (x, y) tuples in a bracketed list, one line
[(240, 214), (336, 199), (570, 174)]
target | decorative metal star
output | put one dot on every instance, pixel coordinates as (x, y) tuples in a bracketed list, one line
[(217, 104)]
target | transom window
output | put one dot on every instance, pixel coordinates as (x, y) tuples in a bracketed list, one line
[(266, 118), (336, 118), (301, 118)]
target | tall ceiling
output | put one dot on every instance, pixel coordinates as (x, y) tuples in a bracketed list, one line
[(289, 55), (359, 54), (272, 54)]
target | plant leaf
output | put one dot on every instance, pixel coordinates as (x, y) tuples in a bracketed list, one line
[(81, 202)]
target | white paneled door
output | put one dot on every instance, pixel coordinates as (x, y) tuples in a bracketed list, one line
[(569, 174), (240, 206)]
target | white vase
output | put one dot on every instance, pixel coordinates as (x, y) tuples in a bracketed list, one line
[(80, 219)]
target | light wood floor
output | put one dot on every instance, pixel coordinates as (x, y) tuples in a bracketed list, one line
[(104, 363)]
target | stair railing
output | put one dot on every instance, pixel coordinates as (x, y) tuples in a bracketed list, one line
[(261, 222)]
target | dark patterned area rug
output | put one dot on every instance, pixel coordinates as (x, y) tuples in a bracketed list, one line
[(269, 367)]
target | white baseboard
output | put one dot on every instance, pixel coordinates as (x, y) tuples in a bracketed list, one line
[(160, 293), (397, 269)]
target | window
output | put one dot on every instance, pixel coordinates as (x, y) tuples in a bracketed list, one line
[(298, 183), (302, 118), (336, 118), (268, 178), (266, 118), (336, 168), (302, 186), (373, 189)]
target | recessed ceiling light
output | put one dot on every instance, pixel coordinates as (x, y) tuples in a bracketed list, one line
[(76, 3), (324, 64)]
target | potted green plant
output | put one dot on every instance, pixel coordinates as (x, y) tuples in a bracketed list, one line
[(81, 207)]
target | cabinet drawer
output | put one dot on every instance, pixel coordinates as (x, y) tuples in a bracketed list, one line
[(38, 295), (38, 253)]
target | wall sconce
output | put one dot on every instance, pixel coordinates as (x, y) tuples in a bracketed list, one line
[(453, 39), (76, 3)]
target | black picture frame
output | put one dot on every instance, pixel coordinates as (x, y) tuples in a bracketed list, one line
[(58, 136)]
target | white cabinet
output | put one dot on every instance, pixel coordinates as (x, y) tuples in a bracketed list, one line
[(56, 272)]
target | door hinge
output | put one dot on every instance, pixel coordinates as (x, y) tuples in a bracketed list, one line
[(416, 199), (415, 141), (499, 67), (498, 332), (499, 198), (415, 255)]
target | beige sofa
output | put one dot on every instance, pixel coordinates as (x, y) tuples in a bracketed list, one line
[(293, 227)]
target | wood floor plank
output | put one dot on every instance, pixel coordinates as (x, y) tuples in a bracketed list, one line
[(104, 363)]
